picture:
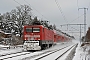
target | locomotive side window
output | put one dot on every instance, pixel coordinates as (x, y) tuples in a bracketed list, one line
[(28, 29), (36, 29)]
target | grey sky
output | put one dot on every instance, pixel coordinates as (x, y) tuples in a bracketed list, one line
[(50, 10)]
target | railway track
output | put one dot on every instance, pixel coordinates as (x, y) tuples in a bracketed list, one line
[(32, 56), (16, 54), (45, 54), (11, 55), (65, 52), (1, 49), (54, 53)]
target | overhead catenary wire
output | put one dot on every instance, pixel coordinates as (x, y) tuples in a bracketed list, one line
[(36, 10), (78, 8), (77, 4), (60, 9), (40, 13), (16, 2), (20, 5), (46, 19), (77, 18), (78, 13), (88, 5)]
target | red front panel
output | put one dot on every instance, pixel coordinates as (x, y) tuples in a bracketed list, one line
[(55, 38), (43, 34), (32, 32)]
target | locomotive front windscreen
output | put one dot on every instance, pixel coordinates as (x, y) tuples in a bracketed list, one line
[(28, 29), (32, 29), (36, 29)]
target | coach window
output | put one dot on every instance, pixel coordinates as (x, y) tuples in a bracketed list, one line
[(36, 29), (28, 29)]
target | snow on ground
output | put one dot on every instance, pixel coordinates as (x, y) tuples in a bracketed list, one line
[(55, 55), (82, 53), (59, 45), (4, 50), (1, 46)]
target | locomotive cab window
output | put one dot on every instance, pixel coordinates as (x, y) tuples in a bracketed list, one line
[(28, 29), (36, 29)]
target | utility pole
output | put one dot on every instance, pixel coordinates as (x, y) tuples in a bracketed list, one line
[(75, 25), (84, 20)]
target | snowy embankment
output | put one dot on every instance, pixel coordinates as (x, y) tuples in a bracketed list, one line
[(13, 49), (8, 51), (82, 52), (68, 56)]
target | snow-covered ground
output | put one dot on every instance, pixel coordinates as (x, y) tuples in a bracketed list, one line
[(81, 53), (59, 45), (4, 50)]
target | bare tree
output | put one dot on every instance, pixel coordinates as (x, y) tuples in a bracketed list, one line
[(23, 15), (54, 26), (17, 17), (7, 16), (88, 35), (14, 14)]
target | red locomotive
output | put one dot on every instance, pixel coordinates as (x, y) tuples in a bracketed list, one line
[(37, 37)]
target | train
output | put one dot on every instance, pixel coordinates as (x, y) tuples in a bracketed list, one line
[(38, 37)]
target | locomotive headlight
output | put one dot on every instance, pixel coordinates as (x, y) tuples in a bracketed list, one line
[(38, 38), (25, 39)]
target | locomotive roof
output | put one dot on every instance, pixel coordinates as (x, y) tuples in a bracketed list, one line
[(38, 26), (35, 25)]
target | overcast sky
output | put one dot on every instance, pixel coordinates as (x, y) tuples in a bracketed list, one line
[(58, 12)]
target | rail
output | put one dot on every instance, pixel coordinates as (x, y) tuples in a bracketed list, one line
[(44, 54), (7, 56), (9, 47)]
